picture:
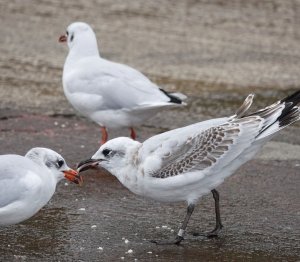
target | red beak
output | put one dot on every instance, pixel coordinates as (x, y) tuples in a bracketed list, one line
[(73, 176), (62, 39)]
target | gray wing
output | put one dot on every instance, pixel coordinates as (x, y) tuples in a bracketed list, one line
[(205, 150), (15, 179), (105, 84)]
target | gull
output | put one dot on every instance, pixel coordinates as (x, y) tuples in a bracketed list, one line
[(186, 163), (111, 94), (28, 182)]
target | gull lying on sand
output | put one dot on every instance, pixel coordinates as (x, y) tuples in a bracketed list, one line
[(28, 183)]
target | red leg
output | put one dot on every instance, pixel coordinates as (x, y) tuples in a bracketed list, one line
[(132, 133), (104, 135)]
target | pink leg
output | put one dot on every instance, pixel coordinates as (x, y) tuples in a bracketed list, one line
[(132, 133), (104, 135)]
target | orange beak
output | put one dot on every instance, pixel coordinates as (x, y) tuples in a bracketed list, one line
[(73, 176), (62, 39)]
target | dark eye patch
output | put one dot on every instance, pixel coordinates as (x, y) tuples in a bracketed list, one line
[(49, 164), (67, 33), (60, 163), (72, 37), (106, 152)]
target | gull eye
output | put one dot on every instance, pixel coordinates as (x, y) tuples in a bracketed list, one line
[(72, 37), (60, 163), (106, 152), (67, 33)]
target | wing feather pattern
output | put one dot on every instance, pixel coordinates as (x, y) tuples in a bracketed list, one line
[(204, 151)]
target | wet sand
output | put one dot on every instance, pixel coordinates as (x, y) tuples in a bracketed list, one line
[(214, 51), (259, 205)]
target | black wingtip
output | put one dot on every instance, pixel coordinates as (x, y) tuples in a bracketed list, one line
[(173, 99), (289, 117), (293, 98), (290, 113)]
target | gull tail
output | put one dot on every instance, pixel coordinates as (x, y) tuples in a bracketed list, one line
[(176, 98), (279, 115)]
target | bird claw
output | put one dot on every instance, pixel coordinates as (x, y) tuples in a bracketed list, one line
[(211, 234), (176, 241)]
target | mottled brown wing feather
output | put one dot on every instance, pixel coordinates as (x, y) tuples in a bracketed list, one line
[(203, 151)]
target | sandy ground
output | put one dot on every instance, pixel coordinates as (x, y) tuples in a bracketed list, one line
[(181, 44), (214, 51)]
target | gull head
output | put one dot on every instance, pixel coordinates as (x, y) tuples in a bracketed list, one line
[(80, 36), (54, 162), (114, 156)]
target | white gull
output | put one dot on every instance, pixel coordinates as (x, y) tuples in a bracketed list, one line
[(111, 94), (187, 163), (27, 183)]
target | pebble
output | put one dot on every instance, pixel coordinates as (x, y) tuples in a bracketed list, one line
[(81, 209)]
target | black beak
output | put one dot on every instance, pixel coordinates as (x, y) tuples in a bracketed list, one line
[(87, 164)]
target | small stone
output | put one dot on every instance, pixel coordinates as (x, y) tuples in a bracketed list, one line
[(81, 209), (100, 248), (126, 241), (130, 251), (66, 184), (149, 252), (157, 227), (164, 226), (122, 258), (82, 146), (93, 226)]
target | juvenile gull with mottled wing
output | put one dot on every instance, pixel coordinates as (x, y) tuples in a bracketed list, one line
[(187, 163)]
